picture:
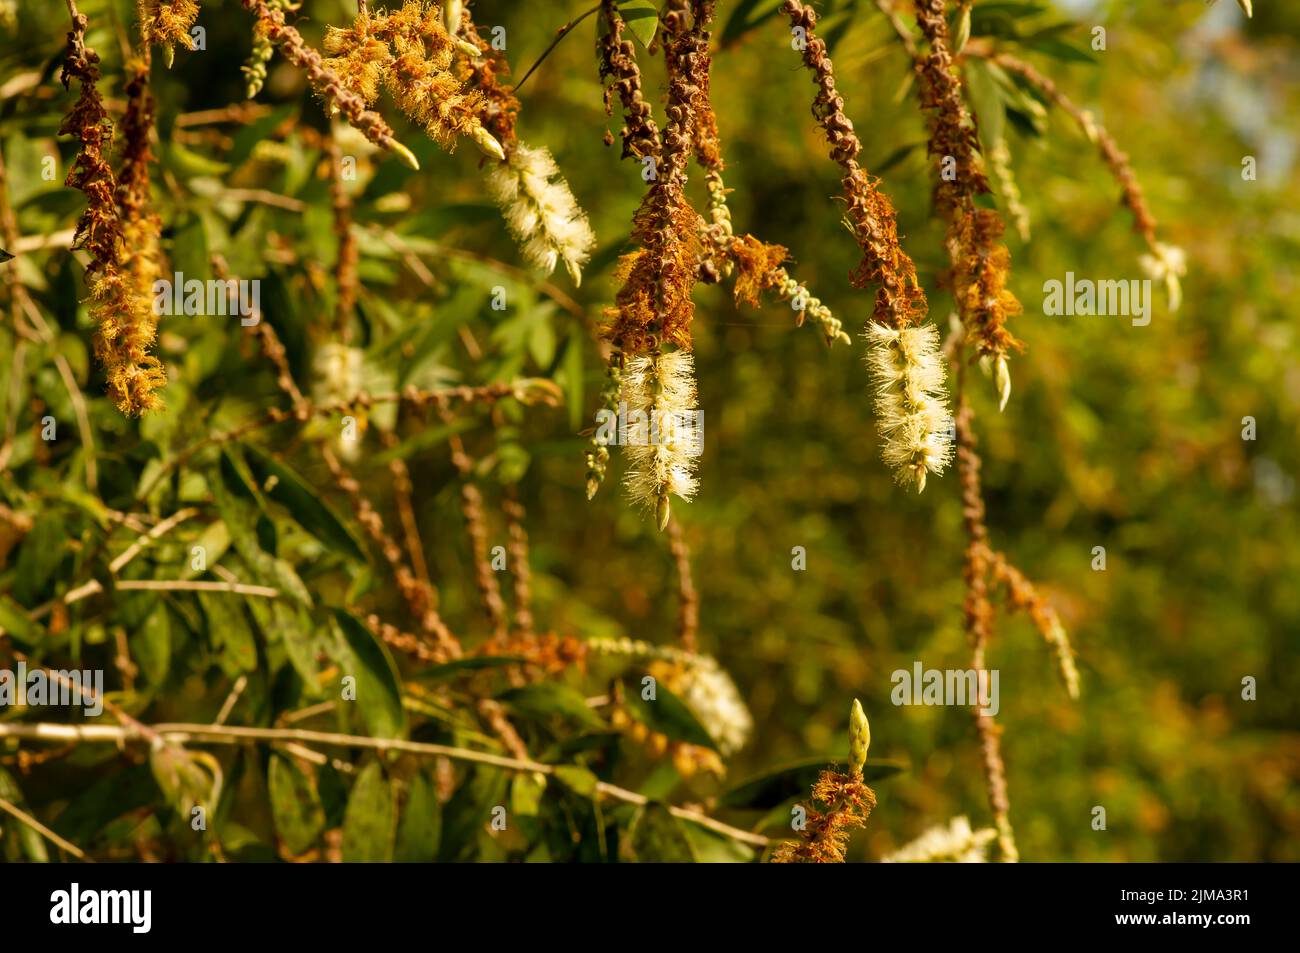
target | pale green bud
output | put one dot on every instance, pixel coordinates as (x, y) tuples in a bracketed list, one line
[(859, 737)]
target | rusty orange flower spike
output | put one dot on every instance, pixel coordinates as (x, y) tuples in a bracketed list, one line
[(116, 229), (900, 300), (845, 803), (329, 85), (166, 23), (980, 262)]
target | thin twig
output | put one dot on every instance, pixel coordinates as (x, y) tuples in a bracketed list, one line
[(41, 829), (182, 733), (160, 529), (150, 585), (561, 34), (688, 601)]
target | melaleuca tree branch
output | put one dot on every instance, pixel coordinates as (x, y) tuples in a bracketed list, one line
[(521, 571), (980, 261), (1164, 262), (978, 612), (688, 600), (618, 67), (757, 264), (185, 733), (471, 508), (328, 83), (908, 377), (900, 300)]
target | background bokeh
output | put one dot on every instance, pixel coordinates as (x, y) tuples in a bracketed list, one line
[(1129, 438)]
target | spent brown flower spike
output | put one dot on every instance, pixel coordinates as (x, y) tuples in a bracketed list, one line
[(841, 802), (331, 87), (166, 23), (900, 300), (121, 240), (980, 262)]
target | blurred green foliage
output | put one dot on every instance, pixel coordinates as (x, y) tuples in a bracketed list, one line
[(1124, 437)]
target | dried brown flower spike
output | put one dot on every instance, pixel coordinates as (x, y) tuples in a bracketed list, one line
[(900, 300), (410, 53), (327, 83), (654, 309), (980, 262), (166, 23), (845, 803), (121, 242), (910, 398)]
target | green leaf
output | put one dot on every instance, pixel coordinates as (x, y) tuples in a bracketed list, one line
[(368, 821), (247, 138), (283, 485), (214, 541), (574, 376), (14, 622), (152, 647), (95, 807), (745, 16), (900, 154), (668, 715), (547, 699), (1065, 51), (189, 164), (577, 779), (464, 666), (295, 805), (641, 17), (526, 790), (986, 101), (421, 826), (230, 631), (183, 782), (32, 843), (773, 788), (236, 475), (291, 627), (657, 837), (378, 688), (189, 251), (710, 847), (425, 439), (39, 556)]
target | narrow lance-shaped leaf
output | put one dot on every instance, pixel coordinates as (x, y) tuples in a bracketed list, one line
[(377, 687)]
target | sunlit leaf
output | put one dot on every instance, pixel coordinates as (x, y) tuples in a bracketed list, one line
[(368, 827)]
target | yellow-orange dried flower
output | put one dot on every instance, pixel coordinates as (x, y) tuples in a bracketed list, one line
[(980, 283), (123, 250), (845, 803), (168, 22), (756, 267)]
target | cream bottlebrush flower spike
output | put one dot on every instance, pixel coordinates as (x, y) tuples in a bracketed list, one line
[(699, 681), (659, 393), (541, 212), (1166, 263), (711, 695), (953, 842), (912, 414)]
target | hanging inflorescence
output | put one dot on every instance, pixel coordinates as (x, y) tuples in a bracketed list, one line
[(166, 23), (117, 229), (980, 261), (912, 417)]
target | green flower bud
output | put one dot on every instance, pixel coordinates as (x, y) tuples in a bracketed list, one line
[(859, 737)]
